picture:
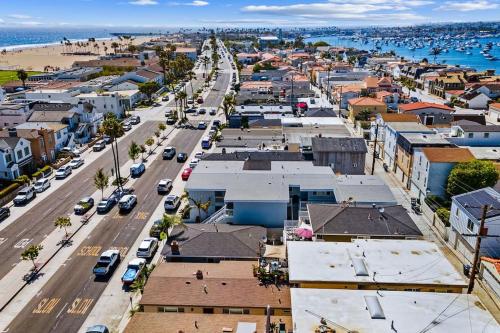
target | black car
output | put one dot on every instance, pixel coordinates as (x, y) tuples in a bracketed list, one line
[(107, 139), (191, 110), (170, 121), (216, 122), (155, 230), (118, 194), (106, 204), (134, 120), (4, 213), (182, 157)]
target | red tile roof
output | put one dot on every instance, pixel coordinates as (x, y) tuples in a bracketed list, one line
[(423, 105), (365, 101)]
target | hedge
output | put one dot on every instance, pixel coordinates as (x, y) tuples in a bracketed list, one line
[(41, 172), (9, 189), (444, 215)]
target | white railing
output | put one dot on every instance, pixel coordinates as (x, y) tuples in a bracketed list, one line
[(216, 217)]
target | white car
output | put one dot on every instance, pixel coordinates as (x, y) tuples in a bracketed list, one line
[(194, 162), (63, 172), (76, 163), (148, 248), (164, 186), (172, 202), (199, 155), (41, 185), (127, 202)]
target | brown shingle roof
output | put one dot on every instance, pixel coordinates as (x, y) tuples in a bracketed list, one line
[(400, 118), (366, 101), (205, 323), (239, 293), (223, 269), (444, 155)]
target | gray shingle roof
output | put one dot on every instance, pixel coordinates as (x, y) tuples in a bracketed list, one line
[(52, 107), (356, 145), (480, 128), (337, 220), (256, 155), (216, 241), (473, 201)]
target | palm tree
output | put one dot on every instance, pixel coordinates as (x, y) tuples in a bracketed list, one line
[(63, 222), (181, 96), (191, 75), (101, 181), (114, 129), (201, 206), (227, 105), (205, 60), (170, 221), (435, 51), (23, 76), (114, 46), (134, 150)]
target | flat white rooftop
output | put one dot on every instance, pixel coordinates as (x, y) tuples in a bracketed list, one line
[(371, 261), (406, 312), (312, 121)]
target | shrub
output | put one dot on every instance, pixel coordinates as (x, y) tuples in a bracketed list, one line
[(23, 179), (444, 215), (9, 189), (435, 202), (46, 169)]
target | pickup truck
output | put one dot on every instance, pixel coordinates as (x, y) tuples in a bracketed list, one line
[(133, 271), (107, 263)]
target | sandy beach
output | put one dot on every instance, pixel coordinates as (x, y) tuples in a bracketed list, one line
[(37, 58)]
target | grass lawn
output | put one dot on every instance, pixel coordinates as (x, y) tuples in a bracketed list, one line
[(6, 76)]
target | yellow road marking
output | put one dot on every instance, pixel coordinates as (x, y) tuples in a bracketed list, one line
[(46, 305), (90, 251), (142, 216), (123, 250), (118, 216), (80, 306)]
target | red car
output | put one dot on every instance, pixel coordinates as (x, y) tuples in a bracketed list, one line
[(186, 173)]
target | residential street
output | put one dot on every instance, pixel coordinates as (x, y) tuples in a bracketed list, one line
[(69, 296)]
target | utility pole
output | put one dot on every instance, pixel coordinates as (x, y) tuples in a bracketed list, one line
[(476, 250), (375, 147)]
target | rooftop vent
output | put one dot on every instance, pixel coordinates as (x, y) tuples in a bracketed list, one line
[(374, 307), (359, 266)]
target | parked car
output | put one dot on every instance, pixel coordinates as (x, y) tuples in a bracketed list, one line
[(148, 248), (186, 173), (25, 195), (64, 172), (194, 162), (134, 120), (156, 229), (97, 329), (41, 185), (99, 145), (202, 125), (182, 157), (137, 169), (107, 263), (212, 112), (170, 121), (199, 100), (190, 101), (127, 202), (199, 155), (127, 127), (105, 205), (172, 202), (165, 98), (202, 111), (84, 205), (107, 139), (169, 153), (4, 213), (216, 122), (76, 163), (169, 113), (71, 151), (190, 110), (414, 99), (164, 186), (133, 271), (120, 193)]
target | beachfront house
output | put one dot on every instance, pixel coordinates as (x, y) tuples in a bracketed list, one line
[(474, 135), (15, 158)]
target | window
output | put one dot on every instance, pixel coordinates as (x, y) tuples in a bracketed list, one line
[(355, 165), (19, 154), (208, 310), (26, 151), (470, 225), (234, 311), (8, 158), (418, 175), (456, 212), (486, 135), (170, 309), (471, 135)]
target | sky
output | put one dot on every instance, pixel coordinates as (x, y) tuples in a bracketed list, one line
[(241, 13)]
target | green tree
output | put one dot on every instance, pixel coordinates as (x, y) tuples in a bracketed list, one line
[(149, 142), (115, 46), (31, 253), (162, 127), (132, 48), (101, 181), (200, 206), (114, 129), (63, 222), (143, 150), (148, 89), (133, 151), (227, 105), (157, 134), (435, 51), (321, 43), (23, 76), (471, 176), (298, 43), (170, 221)]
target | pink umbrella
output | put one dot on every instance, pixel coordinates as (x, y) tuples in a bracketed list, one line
[(304, 232)]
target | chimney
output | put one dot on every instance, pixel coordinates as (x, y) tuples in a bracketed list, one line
[(199, 275), (12, 132), (174, 248)]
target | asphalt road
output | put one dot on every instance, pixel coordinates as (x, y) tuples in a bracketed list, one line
[(34, 225), (69, 296)]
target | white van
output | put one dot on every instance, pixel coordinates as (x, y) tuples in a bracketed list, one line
[(41, 185)]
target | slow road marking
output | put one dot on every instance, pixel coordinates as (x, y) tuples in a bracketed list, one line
[(123, 250), (90, 251), (142, 216), (46, 305), (80, 306)]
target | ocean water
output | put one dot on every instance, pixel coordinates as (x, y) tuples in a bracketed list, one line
[(22, 38), (453, 57)]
